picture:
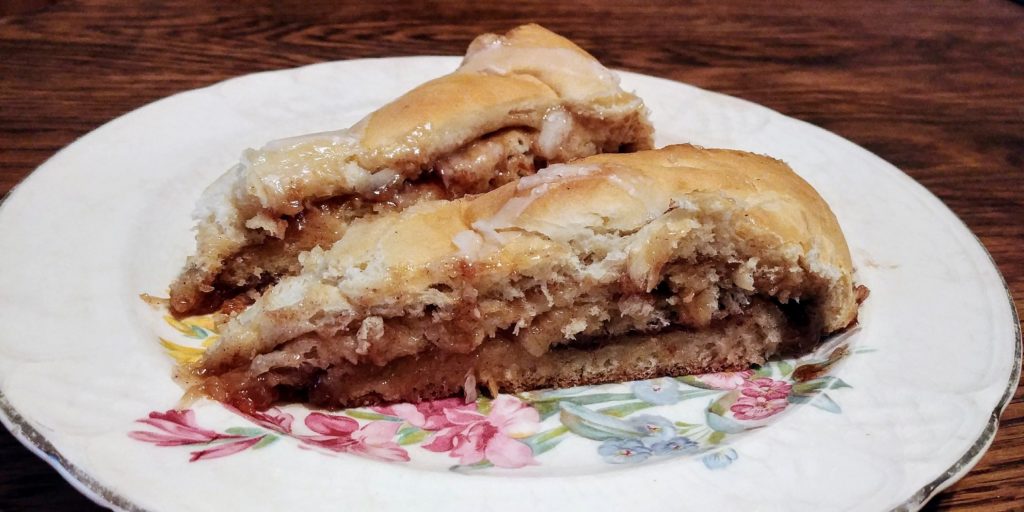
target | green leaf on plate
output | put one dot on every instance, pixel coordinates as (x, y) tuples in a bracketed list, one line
[(821, 383), (412, 436), (363, 414), (540, 448), (763, 371), (825, 403), (548, 394), (716, 437), (586, 399), (595, 425), (483, 405), (267, 439), (625, 409), (723, 424), (723, 403), (245, 431), (808, 388), (544, 441), (549, 406), (693, 381), (545, 409), (468, 468), (785, 368), (697, 393), (799, 399), (549, 434), (682, 427)]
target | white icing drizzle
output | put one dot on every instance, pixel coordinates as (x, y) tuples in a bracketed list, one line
[(535, 186), (500, 58), (379, 180), (556, 127), (485, 232), (655, 202), (504, 217), (329, 138), (469, 243), (556, 173), (217, 202)]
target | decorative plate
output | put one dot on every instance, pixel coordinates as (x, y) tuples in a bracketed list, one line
[(881, 417)]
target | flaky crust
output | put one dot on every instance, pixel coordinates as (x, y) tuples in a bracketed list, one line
[(515, 80), (509, 80), (640, 206)]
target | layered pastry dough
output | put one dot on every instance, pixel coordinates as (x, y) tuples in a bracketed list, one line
[(517, 103), (672, 261)]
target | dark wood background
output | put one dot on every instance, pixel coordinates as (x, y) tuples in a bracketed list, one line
[(935, 87)]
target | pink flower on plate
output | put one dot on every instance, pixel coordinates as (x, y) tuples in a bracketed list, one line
[(473, 437), (272, 419), (426, 415), (179, 428), (223, 450), (726, 380), (765, 387), (757, 408), (176, 428), (343, 434)]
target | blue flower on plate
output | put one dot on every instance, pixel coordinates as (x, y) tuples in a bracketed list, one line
[(623, 451), (720, 459), (675, 446), (653, 428), (662, 391)]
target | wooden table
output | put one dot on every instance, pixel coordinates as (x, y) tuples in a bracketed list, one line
[(936, 88)]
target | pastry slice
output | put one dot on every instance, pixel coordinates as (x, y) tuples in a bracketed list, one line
[(666, 262), (517, 103)]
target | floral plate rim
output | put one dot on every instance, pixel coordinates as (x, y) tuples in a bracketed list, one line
[(37, 442)]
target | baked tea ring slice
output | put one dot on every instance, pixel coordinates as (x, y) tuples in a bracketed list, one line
[(617, 266)]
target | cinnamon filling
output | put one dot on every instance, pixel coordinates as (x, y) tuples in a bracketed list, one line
[(514, 339)]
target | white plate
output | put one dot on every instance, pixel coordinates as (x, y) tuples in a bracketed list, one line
[(908, 411)]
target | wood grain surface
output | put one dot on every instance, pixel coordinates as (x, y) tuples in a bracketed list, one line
[(935, 87)]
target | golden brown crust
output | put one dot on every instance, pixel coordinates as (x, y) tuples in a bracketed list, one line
[(510, 80), (787, 205), (441, 115), (565, 67)]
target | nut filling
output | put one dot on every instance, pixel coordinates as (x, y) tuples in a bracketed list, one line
[(319, 371)]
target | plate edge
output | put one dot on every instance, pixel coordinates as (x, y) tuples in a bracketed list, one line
[(40, 446), (973, 455)]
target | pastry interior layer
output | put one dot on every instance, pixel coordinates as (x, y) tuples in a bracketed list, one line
[(517, 103), (711, 287), (313, 373)]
